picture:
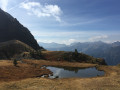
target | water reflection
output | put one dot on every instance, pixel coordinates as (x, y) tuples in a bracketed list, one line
[(67, 72)]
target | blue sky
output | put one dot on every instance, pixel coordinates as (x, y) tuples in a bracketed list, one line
[(68, 21)]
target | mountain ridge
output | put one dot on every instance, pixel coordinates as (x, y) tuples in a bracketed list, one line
[(12, 29), (108, 51)]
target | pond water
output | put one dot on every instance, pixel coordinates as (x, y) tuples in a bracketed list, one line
[(68, 72)]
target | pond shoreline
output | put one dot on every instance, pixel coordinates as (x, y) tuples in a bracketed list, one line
[(40, 63), (70, 72), (111, 79)]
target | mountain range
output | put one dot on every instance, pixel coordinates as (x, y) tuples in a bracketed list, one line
[(109, 51), (52, 46)]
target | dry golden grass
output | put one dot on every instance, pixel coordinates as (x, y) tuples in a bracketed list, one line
[(8, 72), (111, 80), (59, 63), (5, 63)]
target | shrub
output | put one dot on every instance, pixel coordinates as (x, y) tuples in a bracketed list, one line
[(36, 54), (15, 62)]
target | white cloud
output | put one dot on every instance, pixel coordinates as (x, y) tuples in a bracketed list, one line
[(58, 37), (96, 38), (35, 8), (40, 33), (71, 41), (29, 5), (67, 37), (3, 4)]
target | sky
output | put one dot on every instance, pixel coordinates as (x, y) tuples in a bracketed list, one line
[(68, 21)]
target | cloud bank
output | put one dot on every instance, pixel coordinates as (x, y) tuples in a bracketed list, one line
[(96, 38), (39, 10)]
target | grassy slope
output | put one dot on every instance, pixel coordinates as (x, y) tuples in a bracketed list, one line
[(111, 81), (31, 69), (68, 56), (8, 72), (11, 48)]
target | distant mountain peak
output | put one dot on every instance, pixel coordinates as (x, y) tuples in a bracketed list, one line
[(117, 43)]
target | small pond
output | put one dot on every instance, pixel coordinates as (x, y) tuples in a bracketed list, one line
[(68, 72)]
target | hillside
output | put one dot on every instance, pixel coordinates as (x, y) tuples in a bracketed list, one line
[(12, 48), (72, 57), (110, 52), (11, 29)]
